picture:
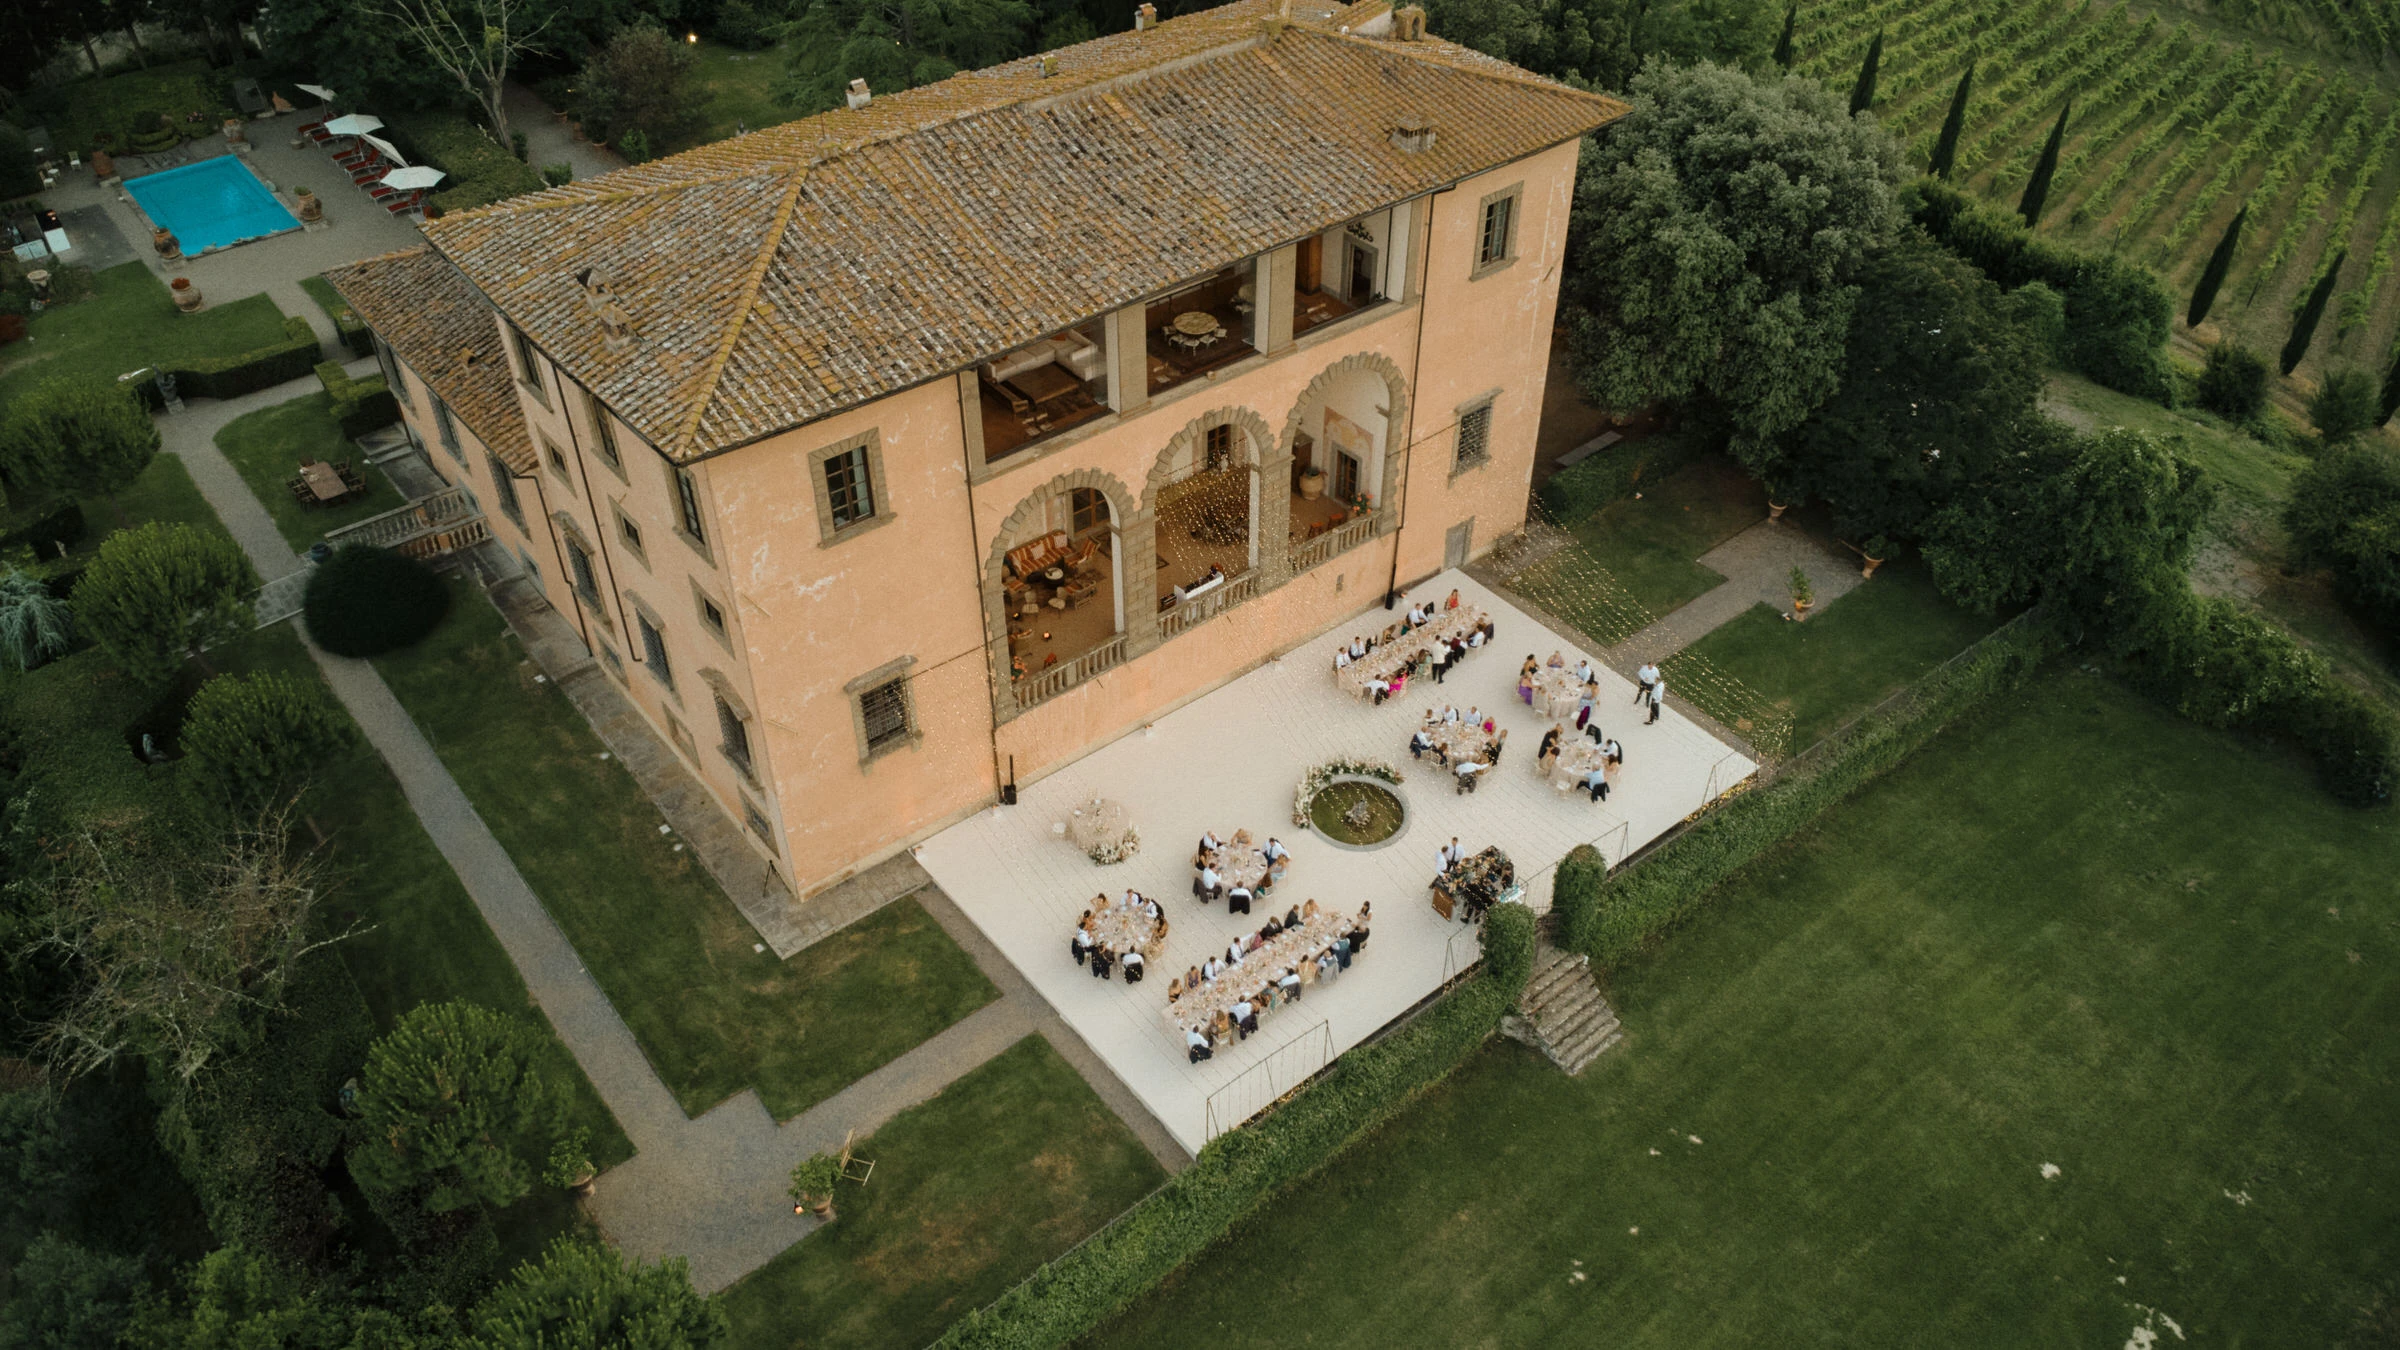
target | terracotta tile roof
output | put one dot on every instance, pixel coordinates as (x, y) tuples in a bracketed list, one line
[(435, 321), (778, 277)]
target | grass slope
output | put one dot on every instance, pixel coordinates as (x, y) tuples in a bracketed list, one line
[(267, 447), (1008, 1167), (127, 322), (2077, 932), (673, 955)]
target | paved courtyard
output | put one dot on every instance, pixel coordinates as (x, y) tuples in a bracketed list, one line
[(1232, 760)]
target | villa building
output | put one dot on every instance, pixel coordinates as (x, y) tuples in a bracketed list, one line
[(891, 455)]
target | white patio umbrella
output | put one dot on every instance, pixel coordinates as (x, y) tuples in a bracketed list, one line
[(324, 95), (414, 176), (389, 151), (354, 124)]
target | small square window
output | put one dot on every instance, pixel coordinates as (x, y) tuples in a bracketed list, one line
[(579, 563), (757, 821), (654, 651), (558, 462), (884, 712), (506, 488), (1474, 436), (1499, 231), (614, 663), (447, 428), (529, 362), (628, 531), (848, 490), (712, 615)]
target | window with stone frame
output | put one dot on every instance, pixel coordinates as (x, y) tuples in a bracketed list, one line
[(604, 432), (529, 362), (758, 823), (654, 651), (711, 614), (1474, 436), (883, 713), (447, 429), (849, 487), (734, 737), (687, 508), (1499, 231), (506, 488), (579, 564)]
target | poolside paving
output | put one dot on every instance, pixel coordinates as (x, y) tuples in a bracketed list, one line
[(1232, 759)]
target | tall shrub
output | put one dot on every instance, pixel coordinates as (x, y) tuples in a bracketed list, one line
[(2204, 291), (365, 601), (2304, 323), (2037, 188), (2344, 514), (2344, 404), (88, 439), (251, 738), (2234, 383), (1945, 148), (1783, 44), (1862, 94), (454, 1104), (34, 624), (160, 592)]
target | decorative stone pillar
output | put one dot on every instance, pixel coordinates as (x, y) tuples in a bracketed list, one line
[(1274, 517), (1139, 534)]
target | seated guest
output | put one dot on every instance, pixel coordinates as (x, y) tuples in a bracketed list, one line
[(1452, 602), (1252, 942), (1341, 658), (1233, 954), (1357, 647), (1292, 920), (1612, 752), (1289, 983), (1449, 714), (1191, 978), (1245, 1016), (1326, 965), (1133, 965), (1558, 661), (1484, 626), (1341, 952), (1476, 639), (1584, 674), (1400, 680), (1157, 915), (1174, 989), (1273, 930), (1276, 853), (1549, 744), (1466, 769), (1596, 782), (1489, 726), (1102, 959), (1209, 843), (1379, 689), (1474, 716), (1200, 1047), (1309, 910), (1210, 969), (1237, 900), (1207, 883)]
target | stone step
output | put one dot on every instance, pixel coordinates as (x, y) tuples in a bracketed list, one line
[(1546, 983), (1581, 1059), (1556, 1024), (1566, 1031), (1567, 993), (1594, 1029)]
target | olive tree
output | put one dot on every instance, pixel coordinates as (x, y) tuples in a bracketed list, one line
[(160, 592), (453, 1103)]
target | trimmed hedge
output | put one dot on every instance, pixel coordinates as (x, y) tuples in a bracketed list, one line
[(1241, 1170), (1609, 916), (1576, 492), (360, 406), (482, 170), (50, 534), (2118, 312), (232, 376), (365, 601)]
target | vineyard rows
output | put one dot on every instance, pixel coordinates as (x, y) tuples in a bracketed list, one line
[(2176, 124)]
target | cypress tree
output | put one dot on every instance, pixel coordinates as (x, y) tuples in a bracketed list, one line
[(2204, 293), (1783, 45), (2037, 188), (2391, 390), (2304, 324), (1862, 95), (1945, 150)]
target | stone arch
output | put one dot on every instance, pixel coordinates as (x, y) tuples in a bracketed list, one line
[(1133, 564), (1254, 429), (1395, 421)]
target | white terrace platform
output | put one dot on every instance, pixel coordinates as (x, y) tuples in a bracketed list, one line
[(1232, 759)]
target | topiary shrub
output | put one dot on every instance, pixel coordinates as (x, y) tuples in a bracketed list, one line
[(1508, 934), (2234, 386), (251, 739), (1575, 896), (2344, 404), (365, 601)]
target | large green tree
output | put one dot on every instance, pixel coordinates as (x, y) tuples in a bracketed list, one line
[(70, 436), (67, 1297), (2344, 514), (641, 80), (160, 592), (1938, 382), (453, 1103), (1718, 231), (1605, 42), (250, 739), (894, 44), (583, 1296)]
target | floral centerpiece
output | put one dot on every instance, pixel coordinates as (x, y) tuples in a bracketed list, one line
[(1108, 852), (1316, 780)]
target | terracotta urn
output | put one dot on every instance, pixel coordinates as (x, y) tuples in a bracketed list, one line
[(1312, 485), (164, 242), (311, 209), (1868, 563), (1776, 509), (1800, 608), (233, 130), (104, 166), (187, 295)]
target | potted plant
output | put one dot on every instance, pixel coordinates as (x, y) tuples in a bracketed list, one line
[(187, 295), (310, 207), (1312, 483), (1803, 595), (1872, 553), (571, 1166), (812, 1185)]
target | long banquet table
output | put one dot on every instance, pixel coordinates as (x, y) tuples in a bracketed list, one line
[(1405, 650), (1297, 948)]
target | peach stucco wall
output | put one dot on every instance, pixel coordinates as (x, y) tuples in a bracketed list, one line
[(814, 617)]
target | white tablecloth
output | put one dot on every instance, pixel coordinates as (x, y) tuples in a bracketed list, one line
[(1402, 652), (1556, 694), (1292, 948), (1122, 928)]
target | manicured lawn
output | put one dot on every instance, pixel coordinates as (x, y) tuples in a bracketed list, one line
[(2078, 933), (129, 322), (1008, 1167), (1845, 658), (2249, 469), (267, 446), (425, 941), (739, 87), (672, 953), (1650, 543), (80, 112), (164, 491)]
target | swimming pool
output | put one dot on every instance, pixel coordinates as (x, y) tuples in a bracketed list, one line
[(211, 204)]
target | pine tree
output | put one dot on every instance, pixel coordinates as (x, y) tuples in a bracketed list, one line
[(2212, 276), (2391, 390), (1862, 96), (2304, 324), (2037, 188), (1945, 150), (1783, 45)]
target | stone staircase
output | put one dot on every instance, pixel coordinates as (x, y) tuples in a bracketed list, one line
[(1561, 1012)]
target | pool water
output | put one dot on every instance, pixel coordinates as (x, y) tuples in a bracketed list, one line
[(211, 204)]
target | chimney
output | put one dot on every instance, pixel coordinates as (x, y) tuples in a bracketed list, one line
[(1145, 17), (1049, 65), (616, 326), (1408, 23), (859, 96), (1413, 134)]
